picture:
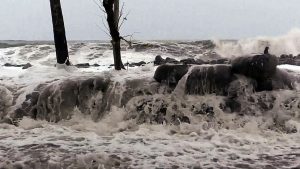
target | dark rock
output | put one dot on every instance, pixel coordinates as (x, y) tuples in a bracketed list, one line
[(138, 87), (6, 100), (213, 62), (8, 65), (57, 100), (289, 59), (159, 60), (96, 65), (171, 60), (141, 63), (188, 61), (6, 121), (200, 62), (138, 63), (222, 61), (283, 80), (262, 68), (28, 65), (209, 79), (233, 105), (12, 65), (170, 74), (83, 65), (258, 67)]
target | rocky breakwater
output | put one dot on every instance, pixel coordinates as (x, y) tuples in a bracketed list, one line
[(92, 96), (289, 59), (251, 85), (178, 93)]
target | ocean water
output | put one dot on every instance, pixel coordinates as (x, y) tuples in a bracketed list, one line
[(269, 138)]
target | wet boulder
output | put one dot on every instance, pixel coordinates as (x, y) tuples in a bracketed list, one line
[(6, 100), (188, 61), (262, 68), (159, 60), (220, 61), (57, 100), (141, 63), (191, 61), (26, 66), (283, 80), (83, 65), (139, 87), (209, 79), (172, 60), (289, 59), (170, 74), (259, 67)]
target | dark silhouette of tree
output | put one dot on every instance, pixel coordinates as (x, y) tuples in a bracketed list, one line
[(62, 54), (113, 16)]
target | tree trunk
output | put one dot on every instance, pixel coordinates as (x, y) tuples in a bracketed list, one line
[(111, 12), (117, 13), (61, 46)]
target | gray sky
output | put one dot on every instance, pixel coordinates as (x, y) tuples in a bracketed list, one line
[(153, 19)]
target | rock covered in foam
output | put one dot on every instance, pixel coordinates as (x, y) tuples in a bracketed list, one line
[(6, 100), (170, 74), (258, 67), (283, 80), (92, 96), (208, 79), (57, 100), (157, 109)]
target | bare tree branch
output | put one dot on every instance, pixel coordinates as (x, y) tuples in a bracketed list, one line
[(107, 29), (103, 31), (127, 41), (99, 6), (123, 20), (121, 12)]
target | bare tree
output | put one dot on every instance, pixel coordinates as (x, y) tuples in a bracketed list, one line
[(112, 9), (62, 54)]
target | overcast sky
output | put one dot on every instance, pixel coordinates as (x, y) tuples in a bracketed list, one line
[(153, 19)]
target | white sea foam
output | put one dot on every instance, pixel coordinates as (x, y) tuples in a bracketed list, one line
[(285, 44), (227, 140)]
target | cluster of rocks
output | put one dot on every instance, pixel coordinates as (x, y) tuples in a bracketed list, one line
[(141, 63), (289, 59), (151, 100), (86, 65), (56, 100), (205, 79), (244, 76), (190, 61)]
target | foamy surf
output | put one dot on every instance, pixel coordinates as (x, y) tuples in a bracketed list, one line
[(267, 137)]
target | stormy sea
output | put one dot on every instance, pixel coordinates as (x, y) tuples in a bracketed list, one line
[(178, 104)]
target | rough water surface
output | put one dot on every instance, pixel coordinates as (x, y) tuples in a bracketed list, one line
[(147, 125)]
